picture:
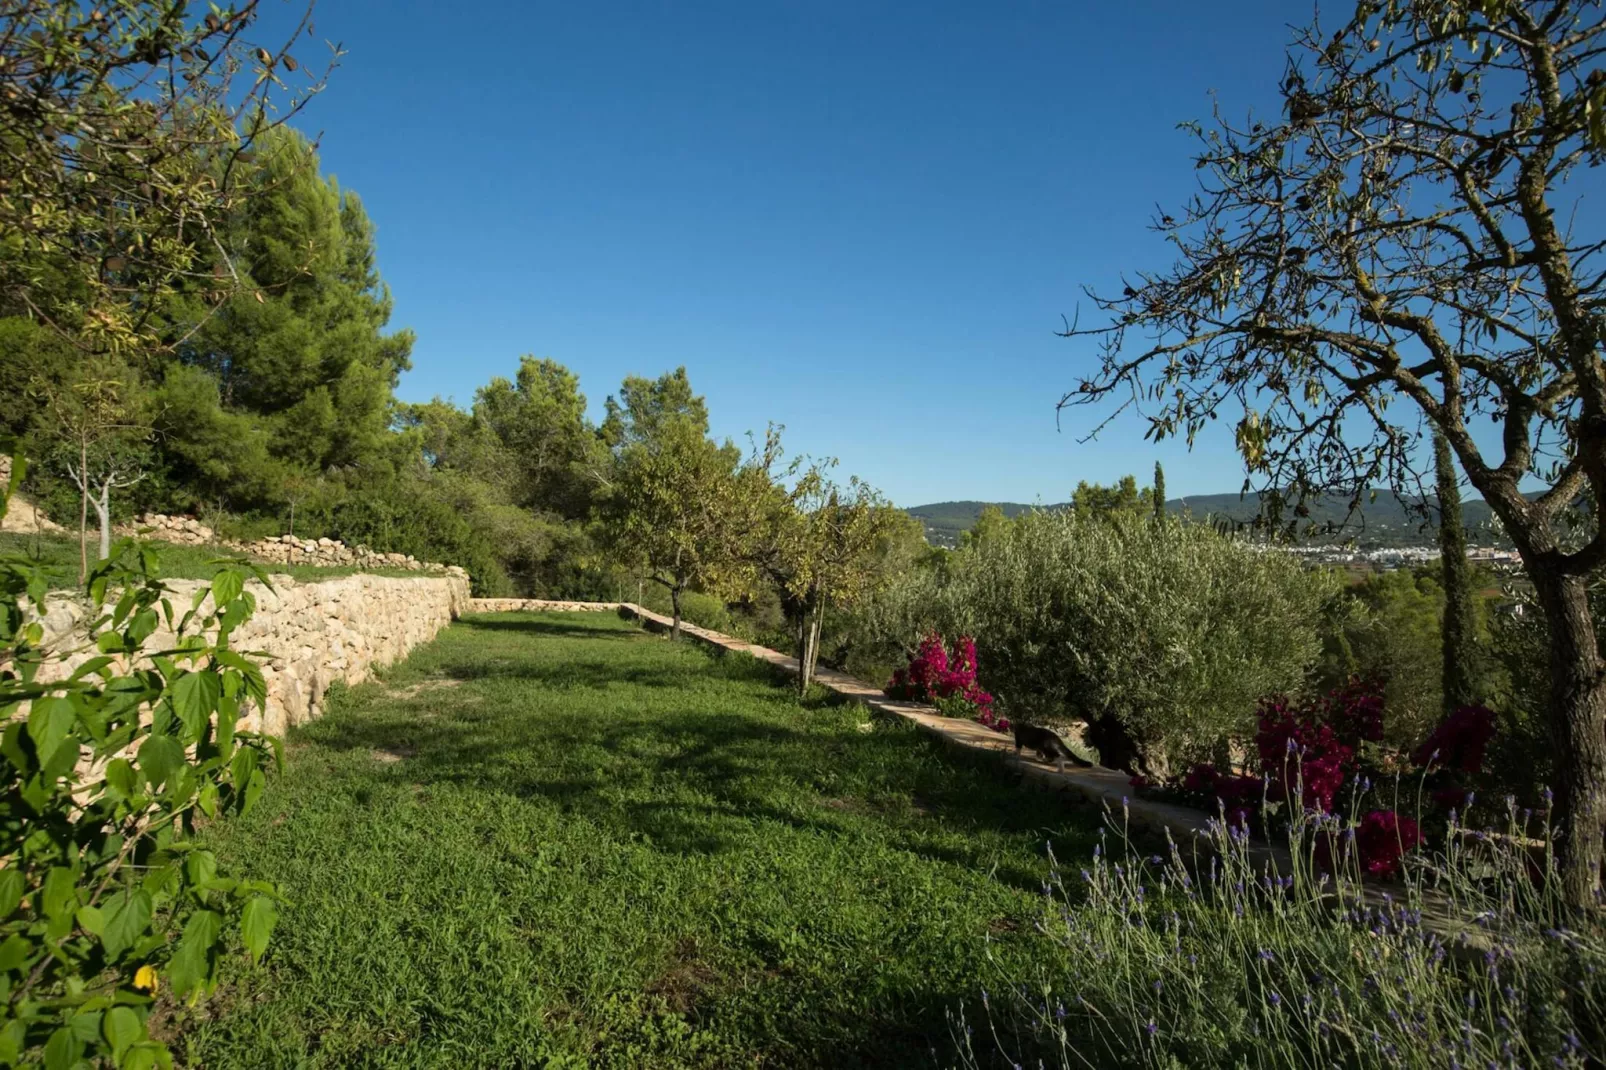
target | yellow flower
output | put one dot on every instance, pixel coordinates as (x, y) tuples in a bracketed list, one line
[(145, 979)]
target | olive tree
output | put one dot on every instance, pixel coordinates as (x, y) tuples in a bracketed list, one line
[(1165, 635), (1396, 253)]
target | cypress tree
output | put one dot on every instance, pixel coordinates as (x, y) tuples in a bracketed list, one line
[(1459, 628), (1159, 493)]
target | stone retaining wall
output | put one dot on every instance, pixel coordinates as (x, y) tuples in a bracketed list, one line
[(313, 634), (539, 605), (278, 549)]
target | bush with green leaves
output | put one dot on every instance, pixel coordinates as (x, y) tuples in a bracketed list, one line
[(1173, 629), (104, 898)]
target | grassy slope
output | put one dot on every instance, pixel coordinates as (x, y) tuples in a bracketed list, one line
[(555, 840), (57, 555)]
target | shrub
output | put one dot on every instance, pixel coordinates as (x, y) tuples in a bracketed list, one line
[(103, 898), (1172, 629), (947, 681)]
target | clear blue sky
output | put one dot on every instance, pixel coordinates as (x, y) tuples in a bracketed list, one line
[(861, 220)]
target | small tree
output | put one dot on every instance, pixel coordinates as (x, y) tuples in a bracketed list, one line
[(669, 504), (815, 540), (1391, 254), (1159, 493), (99, 434)]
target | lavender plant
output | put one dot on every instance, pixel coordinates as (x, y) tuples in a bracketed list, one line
[(1209, 955)]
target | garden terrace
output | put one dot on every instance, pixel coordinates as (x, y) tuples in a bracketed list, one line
[(554, 838)]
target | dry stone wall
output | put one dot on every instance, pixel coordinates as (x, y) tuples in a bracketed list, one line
[(313, 634), (538, 605), (279, 549)]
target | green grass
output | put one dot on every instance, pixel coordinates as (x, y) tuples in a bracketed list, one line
[(554, 840), (57, 556)]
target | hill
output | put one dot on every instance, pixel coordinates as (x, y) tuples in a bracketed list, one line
[(1387, 520)]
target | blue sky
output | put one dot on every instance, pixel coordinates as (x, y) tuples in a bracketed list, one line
[(860, 220)]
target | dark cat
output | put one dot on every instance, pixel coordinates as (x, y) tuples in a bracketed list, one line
[(1050, 746)]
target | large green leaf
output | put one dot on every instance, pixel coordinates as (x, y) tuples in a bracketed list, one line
[(127, 918), (48, 724), (159, 757), (191, 967), (256, 925), (226, 587), (122, 1028), (61, 1052), (59, 894), (10, 890), (195, 696), (121, 776)]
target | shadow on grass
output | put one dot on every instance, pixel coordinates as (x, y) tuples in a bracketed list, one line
[(724, 772), (693, 758)]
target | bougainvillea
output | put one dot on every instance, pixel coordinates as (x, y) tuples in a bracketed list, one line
[(940, 676), (1459, 741), (1381, 840), (1317, 741)]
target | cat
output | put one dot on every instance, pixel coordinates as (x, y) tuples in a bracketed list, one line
[(1050, 746)]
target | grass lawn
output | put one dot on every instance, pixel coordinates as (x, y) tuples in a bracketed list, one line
[(57, 556), (555, 840)]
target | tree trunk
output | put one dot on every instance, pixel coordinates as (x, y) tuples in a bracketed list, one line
[(1459, 627), (803, 650), (292, 518), (1577, 724), (674, 601), (814, 641), (103, 513), (83, 511)]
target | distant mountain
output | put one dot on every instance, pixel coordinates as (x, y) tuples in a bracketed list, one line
[(1385, 521)]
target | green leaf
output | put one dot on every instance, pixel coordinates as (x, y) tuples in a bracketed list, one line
[(191, 967), (122, 778), (200, 866), (253, 790), (11, 747), (242, 766), (59, 893), (92, 920), (15, 953), (109, 642), (48, 724), (141, 627), (207, 799), (10, 890), (144, 1057), (12, 1038), (159, 757), (62, 1050), (128, 917), (122, 1028), (256, 925), (86, 1026), (226, 587), (195, 696)]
